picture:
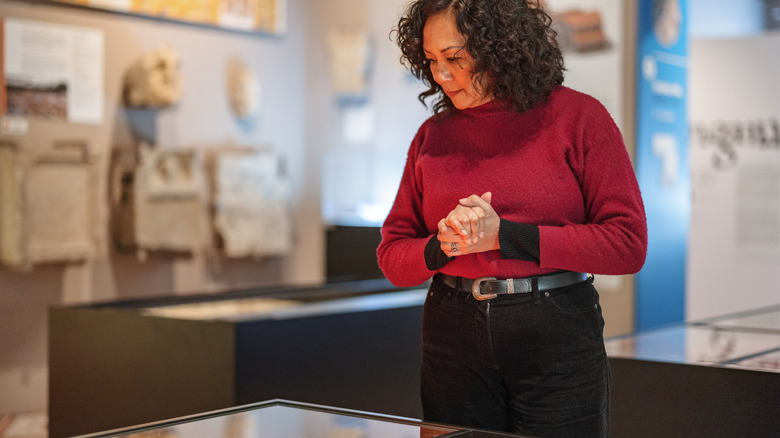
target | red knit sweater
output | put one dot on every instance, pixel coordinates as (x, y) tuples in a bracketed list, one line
[(561, 166)]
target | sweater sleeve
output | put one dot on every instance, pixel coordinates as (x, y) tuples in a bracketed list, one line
[(518, 241), (401, 254), (613, 240), (435, 258)]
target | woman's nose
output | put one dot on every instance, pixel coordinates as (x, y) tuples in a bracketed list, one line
[(441, 74)]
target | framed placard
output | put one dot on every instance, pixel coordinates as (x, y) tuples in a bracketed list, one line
[(50, 71), (265, 16)]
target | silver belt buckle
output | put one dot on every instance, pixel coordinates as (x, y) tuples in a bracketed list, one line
[(476, 286)]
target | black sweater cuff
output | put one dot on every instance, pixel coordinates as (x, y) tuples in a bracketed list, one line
[(435, 258), (519, 241)]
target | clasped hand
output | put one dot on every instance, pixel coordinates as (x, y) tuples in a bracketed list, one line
[(470, 227)]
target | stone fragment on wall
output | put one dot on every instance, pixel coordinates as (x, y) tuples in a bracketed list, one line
[(48, 204), (349, 51), (244, 91), (159, 200), (251, 214), (154, 81), (170, 205)]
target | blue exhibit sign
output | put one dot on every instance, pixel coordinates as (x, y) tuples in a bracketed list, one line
[(662, 159)]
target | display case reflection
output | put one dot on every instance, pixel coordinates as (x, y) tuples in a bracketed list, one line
[(749, 340), (280, 420)]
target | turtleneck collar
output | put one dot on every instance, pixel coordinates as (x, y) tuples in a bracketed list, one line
[(486, 109)]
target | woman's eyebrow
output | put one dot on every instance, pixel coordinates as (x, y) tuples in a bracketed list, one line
[(446, 49)]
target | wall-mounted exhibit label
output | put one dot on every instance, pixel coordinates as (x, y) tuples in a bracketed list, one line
[(52, 71)]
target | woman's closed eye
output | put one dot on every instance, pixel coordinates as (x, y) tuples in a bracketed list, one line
[(451, 60), (458, 61)]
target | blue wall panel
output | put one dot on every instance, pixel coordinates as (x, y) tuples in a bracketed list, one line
[(662, 159)]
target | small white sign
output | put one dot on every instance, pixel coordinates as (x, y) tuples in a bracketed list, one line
[(10, 125), (359, 124)]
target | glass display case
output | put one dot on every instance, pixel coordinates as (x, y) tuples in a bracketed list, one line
[(352, 345), (287, 419), (356, 345), (718, 377), (749, 340), (765, 319)]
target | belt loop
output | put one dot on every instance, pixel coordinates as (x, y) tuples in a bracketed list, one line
[(535, 290), (459, 283)]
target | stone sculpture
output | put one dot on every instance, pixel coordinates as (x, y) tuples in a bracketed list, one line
[(243, 91), (154, 81)]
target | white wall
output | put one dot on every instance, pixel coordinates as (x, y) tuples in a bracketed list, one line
[(599, 73), (363, 174), (725, 18), (734, 247)]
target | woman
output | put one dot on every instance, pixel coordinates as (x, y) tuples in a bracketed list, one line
[(513, 191)]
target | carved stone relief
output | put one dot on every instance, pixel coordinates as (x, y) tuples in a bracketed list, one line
[(154, 81), (49, 204), (170, 201), (251, 214), (349, 51), (243, 91), (160, 200), (233, 203)]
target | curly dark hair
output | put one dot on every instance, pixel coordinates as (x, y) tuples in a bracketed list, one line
[(515, 50)]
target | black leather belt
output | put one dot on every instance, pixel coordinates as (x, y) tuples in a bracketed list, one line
[(485, 288)]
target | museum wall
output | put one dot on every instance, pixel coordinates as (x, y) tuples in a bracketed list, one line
[(735, 175), (363, 133), (202, 119)]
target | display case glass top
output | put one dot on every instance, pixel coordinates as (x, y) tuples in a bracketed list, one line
[(693, 344), (769, 361), (286, 419), (276, 302), (256, 308), (749, 340), (764, 320)]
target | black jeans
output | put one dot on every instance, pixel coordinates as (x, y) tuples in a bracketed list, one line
[(530, 363)]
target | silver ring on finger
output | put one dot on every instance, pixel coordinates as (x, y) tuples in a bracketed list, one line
[(454, 247)]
